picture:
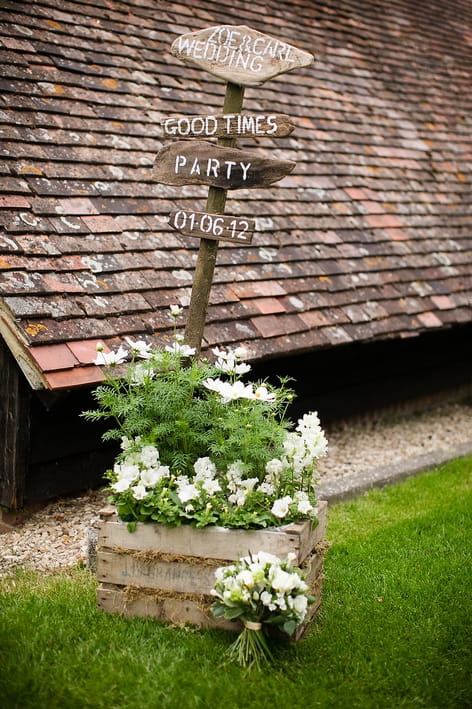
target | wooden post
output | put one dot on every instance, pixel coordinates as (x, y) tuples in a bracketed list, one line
[(208, 249)]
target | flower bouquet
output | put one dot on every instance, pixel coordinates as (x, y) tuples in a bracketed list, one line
[(260, 590), (199, 445)]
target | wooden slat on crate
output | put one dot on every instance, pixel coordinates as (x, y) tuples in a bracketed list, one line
[(239, 54), (214, 542)]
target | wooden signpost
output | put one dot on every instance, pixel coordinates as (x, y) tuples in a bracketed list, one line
[(242, 57)]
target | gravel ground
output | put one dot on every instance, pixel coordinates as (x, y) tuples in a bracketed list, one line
[(58, 535)]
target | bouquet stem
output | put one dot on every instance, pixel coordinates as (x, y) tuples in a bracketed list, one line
[(250, 649)]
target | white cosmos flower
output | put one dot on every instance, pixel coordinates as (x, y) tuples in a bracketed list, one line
[(262, 394), (177, 348), (139, 347), (111, 358), (175, 310)]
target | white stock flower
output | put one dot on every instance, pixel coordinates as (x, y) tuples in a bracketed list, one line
[(282, 581), (300, 603), (245, 578), (149, 456), (204, 468), (281, 506)]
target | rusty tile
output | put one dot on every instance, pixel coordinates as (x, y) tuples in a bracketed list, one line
[(443, 302), (256, 289), (100, 223), (73, 378), (51, 357), (266, 305), (429, 319), (85, 351), (273, 325)]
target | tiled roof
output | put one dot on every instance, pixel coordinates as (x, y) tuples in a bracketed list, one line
[(369, 237)]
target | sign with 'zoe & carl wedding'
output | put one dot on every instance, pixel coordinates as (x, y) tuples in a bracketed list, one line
[(243, 57)]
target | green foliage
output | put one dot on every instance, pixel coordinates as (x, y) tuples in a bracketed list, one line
[(176, 416)]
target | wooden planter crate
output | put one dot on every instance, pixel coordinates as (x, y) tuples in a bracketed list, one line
[(168, 572)]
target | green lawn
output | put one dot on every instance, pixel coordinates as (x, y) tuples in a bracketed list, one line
[(394, 629)]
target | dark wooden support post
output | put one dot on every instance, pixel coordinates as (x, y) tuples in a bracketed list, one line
[(208, 249), (15, 398)]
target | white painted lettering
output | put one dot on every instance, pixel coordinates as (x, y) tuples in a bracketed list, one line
[(245, 167), (229, 165), (213, 166), (195, 169), (272, 123), (180, 161)]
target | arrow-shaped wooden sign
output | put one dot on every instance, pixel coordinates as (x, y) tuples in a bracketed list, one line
[(199, 162), (239, 54)]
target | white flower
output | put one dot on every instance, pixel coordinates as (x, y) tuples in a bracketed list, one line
[(187, 492), (262, 394), (175, 310), (121, 485), (304, 505), (228, 391), (177, 348), (143, 371), (125, 471), (211, 486), (300, 603), (149, 456), (240, 352), (151, 476), (274, 466), (139, 492), (139, 348), (245, 578), (283, 581), (204, 468), (281, 506), (266, 488), (266, 598), (111, 358)]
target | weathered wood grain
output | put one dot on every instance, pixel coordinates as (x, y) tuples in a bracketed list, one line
[(214, 542), (199, 162), (239, 54)]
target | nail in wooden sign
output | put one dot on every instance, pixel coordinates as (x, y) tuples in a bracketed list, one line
[(213, 226), (198, 162), (239, 125), (239, 54)]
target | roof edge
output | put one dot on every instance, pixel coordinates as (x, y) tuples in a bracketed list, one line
[(19, 348)]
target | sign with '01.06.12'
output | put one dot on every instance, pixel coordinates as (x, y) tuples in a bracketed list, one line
[(213, 226)]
